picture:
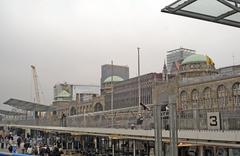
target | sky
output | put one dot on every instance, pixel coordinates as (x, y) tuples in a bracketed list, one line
[(69, 40)]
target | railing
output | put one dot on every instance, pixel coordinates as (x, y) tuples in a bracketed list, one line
[(195, 119)]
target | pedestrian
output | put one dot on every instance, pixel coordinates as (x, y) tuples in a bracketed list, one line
[(29, 150), (22, 147), (19, 141), (10, 148)]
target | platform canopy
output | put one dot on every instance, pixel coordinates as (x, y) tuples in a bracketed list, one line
[(6, 112), (29, 106), (219, 11)]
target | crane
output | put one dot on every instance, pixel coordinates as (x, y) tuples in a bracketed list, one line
[(36, 88), (35, 80)]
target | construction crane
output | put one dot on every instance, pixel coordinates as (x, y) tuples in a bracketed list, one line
[(36, 88), (35, 80)]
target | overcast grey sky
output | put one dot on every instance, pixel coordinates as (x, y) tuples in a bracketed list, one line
[(69, 40)]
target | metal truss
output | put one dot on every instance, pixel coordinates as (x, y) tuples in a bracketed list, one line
[(226, 18)]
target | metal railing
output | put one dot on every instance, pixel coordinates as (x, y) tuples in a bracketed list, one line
[(195, 119)]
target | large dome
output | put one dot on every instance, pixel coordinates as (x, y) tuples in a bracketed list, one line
[(197, 65), (197, 58)]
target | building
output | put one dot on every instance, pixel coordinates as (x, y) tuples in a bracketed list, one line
[(68, 92), (201, 89), (229, 70), (175, 57), (125, 93), (72, 99), (118, 72), (62, 92)]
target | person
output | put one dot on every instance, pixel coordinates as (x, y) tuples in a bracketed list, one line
[(29, 150), (61, 152), (22, 147), (35, 150), (47, 151), (10, 148), (19, 141), (2, 142)]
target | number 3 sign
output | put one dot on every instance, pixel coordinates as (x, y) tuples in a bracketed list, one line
[(213, 120)]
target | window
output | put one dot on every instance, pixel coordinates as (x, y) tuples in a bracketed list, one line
[(236, 94), (183, 100), (207, 98), (221, 96), (195, 98)]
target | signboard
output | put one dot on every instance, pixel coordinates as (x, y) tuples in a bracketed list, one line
[(213, 120)]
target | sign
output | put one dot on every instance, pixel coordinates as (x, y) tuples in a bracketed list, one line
[(213, 120)]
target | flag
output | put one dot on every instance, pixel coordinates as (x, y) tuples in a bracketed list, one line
[(177, 65), (209, 61)]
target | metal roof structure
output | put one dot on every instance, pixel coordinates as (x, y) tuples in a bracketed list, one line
[(29, 106), (225, 12), (206, 137), (6, 112)]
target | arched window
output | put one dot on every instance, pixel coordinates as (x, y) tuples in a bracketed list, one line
[(73, 111), (98, 107), (221, 96), (195, 98), (236, 94), (207, 98), (183, 100)]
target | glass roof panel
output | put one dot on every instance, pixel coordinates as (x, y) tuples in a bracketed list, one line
[(234, 17), (225, 12), (178, 3), (207, 7)]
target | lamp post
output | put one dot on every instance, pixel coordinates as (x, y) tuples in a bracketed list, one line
[(173, 126), (112, 93), (139, 85)]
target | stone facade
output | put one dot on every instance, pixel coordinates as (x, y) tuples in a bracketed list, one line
[(125, 93), (216, 92)]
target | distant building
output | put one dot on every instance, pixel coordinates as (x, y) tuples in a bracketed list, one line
[(235, 69), (125, 93), (175, 57), (119, 73), (62, 92), (68, 92)]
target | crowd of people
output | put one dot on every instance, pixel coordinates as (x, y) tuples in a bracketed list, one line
[(28, 145)]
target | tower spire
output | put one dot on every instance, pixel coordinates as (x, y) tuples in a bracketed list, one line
[(165, 72)]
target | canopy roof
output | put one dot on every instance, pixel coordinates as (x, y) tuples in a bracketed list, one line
[(6, 112), (219, 11), (114, 78), (29, 106)]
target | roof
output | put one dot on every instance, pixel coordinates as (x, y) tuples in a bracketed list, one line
[(64, 94), (115, 79), (225, 12), (6, 112), (29, 106), (195, 58)]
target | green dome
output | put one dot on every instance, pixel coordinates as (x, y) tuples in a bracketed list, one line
[(115, 79), (195, 58), (63, 94)]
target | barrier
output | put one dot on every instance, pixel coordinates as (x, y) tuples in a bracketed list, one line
[(12, 154)]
